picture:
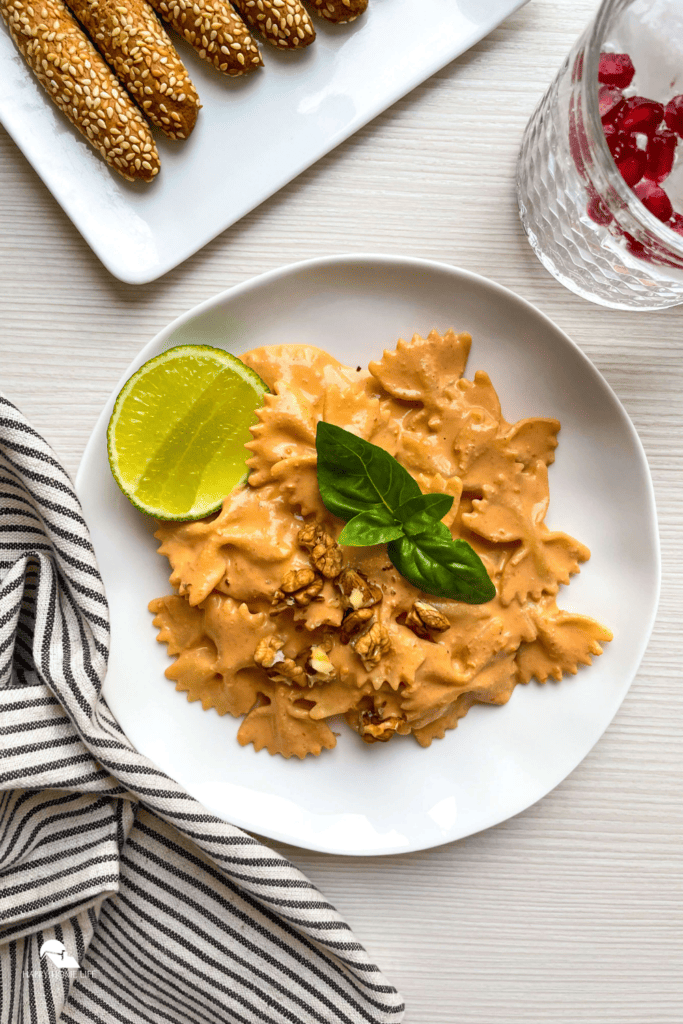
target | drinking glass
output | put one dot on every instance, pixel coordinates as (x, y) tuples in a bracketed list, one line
[(584, 223)]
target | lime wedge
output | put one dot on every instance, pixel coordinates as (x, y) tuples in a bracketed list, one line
[(177, 434)]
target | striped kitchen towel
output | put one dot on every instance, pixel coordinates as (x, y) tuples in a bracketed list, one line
[(121, 899)]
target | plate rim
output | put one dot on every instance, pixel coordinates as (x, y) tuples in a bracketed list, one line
[(413, 262)]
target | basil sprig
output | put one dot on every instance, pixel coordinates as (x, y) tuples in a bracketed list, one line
[(382, 503)]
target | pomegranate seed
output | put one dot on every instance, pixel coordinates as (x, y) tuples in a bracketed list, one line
[(619, 143), (640, 115), (653, 253), (597, 210), (676, 223), (611, 137), (654, 199), (661, 149), (632, 167), (673, 115), (609, 130), (634, 246), (616, 69), (610, 103)]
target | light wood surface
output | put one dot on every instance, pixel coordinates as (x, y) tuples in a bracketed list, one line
[(570, 912)]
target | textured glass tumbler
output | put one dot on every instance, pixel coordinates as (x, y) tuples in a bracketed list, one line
[(583, 221)]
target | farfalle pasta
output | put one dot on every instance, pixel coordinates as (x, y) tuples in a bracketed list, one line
[(273, 620)]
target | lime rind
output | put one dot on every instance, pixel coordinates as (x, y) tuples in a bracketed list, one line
[(203, 505)]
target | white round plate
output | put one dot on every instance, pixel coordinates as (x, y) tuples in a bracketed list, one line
[(393, 798)]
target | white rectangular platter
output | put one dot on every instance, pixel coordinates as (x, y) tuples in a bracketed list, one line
[(253, 135)]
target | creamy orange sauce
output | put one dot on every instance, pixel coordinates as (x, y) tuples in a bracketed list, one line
[(449, 432)]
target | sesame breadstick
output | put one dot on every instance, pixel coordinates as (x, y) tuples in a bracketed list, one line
[(215, 30), (339, 11), (134, 43), (284, 23), (74, 75)]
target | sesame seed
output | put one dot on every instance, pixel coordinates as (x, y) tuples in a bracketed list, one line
[(132, 40), (217, 33), (69, 67), (280, 21)]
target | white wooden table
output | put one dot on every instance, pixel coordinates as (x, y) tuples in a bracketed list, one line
[(570, 912)]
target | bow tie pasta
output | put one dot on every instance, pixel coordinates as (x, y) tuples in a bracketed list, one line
[(270, 618)]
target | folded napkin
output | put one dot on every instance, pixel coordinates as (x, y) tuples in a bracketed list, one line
[(121, 898)]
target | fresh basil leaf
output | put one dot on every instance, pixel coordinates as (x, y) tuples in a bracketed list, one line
[(423, 523), (442, 567), (419, 514), (376, 526), (436, 505), (382, 503), (355, 475)]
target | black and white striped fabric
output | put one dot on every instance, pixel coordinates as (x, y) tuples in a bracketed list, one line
[(171, 914)]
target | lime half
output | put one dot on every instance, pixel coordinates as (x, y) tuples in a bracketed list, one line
[(177, 434)]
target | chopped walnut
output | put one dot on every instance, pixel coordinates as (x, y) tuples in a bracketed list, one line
[(325, 553), (287, 672), (310, 535), (269, 651), (328, 561), (268, 655), (318, 666), (424, 619), (381, 732), (374, 728), (297, 579), (298, 588), (357, 590), (372, 645), (354, 622)]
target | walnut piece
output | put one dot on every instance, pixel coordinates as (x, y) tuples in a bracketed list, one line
[(324, 552), (354, 622), (287, 671), (372, 645), (318, 667), (424, 619), (328, 561), (310, 535), (268, 655), (382, 731), (374, 728), (298, 588), (269, 651), (357, 590)]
